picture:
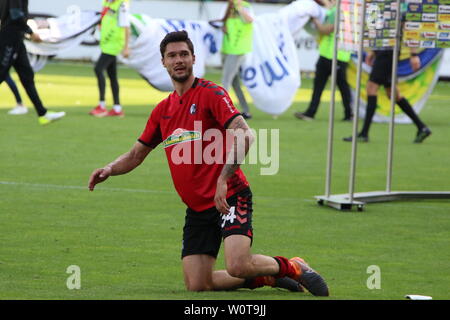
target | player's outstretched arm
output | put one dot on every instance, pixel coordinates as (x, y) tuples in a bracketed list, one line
[(242, 141), (123, 164)]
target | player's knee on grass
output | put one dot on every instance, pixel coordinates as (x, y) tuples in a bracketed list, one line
[(198, 285), (239, 268), (237, 271)]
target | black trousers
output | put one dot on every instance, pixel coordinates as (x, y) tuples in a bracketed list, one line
[(323, 72), (14, 54), (109, 63)]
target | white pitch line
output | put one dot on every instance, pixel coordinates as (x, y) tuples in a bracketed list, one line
[(56, 186), (62, 187)]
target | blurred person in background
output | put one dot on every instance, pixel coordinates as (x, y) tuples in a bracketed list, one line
[(13, 28), (324, 66), (114, 40), (237, 41), (381, 75)]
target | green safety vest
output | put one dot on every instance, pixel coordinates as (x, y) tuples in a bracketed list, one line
[(326, 46), (112, 37), (239, 37)]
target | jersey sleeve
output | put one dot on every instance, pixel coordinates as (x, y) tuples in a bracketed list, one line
[(151, 136), (222, 108)]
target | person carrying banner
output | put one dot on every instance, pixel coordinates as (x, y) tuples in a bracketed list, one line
[(237, 41), (215, 191), (13, 28), (114, 40), (381, 74), (324, 67)]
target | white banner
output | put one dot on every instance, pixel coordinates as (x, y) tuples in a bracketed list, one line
[(271, 72), (61, 33)]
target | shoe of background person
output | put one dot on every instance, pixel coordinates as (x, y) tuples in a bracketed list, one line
[(302, 116), (289, 284), (246, 115), (422, 135), (309, 278), (50, 117), (359, 138), (19, 109), (98, 111), (113, 113)]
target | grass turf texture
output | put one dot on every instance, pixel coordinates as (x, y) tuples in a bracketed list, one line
[(126, 235)]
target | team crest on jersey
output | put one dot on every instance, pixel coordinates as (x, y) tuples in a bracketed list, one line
[(181, 135), (193, 109)]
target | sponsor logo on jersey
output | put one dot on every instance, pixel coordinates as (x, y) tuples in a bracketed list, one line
[(228, 104), (181, 135)]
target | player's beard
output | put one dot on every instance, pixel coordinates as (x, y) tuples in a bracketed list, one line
[(182, 79)]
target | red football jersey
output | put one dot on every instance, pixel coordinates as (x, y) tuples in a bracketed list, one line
[(192, 129)]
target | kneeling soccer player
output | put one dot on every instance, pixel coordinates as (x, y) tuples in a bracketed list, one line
[(218, 196)]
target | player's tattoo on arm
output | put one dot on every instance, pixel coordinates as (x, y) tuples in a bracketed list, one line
[(241, 137), (238, 123)]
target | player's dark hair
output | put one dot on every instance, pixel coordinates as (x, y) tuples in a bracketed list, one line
[(176, 36)]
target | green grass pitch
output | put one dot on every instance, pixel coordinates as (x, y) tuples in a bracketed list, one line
[(126, 235)]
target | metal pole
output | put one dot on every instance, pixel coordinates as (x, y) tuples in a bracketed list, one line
[(333, 101), (357, 102), (393, 98)]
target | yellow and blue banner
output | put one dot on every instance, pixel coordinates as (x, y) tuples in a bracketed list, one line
[(414, 86)]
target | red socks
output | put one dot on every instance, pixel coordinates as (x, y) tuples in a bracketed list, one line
[(286, 268)]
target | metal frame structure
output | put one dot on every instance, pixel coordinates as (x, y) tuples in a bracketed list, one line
[(351, 199)]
